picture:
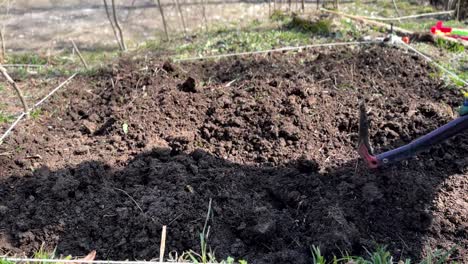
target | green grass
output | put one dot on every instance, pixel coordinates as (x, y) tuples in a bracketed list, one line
[(321, 27), (450, 46), (379, 256), (425, 24), (382, 256), (242, 41), (5, 118), (282, 30), (35, 114)]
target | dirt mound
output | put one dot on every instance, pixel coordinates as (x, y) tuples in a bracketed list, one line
[(271, 139)]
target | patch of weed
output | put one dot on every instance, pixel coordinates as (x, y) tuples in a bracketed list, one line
[(320, 27), (27, 58), (5, 118), (36, 113), (450, 46), (279, 16)]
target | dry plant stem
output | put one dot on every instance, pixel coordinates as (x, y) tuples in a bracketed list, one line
[(396, 8), (458, 11), (131, 198), (112, 25), (163, 244), (163, 19), (117, 25), (18, 91), (181, 14), (302, 6), (2, 38), (2, 31), (79, 54), (204, 14), (269, 8)]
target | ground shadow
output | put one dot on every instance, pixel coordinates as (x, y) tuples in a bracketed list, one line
[(261, 213)]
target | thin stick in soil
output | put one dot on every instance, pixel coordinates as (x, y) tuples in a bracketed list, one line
[(17, 89), (79, 54), (163, 244)]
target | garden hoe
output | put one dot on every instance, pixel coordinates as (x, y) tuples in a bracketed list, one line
[(420, 144)]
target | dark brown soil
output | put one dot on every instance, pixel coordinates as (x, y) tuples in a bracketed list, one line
[(270, 139)]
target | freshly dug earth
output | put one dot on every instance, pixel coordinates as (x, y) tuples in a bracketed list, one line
[(270, 139)]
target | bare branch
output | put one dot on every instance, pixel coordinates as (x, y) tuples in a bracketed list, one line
[(163, 19), (118, 26), (204, 14), (2, 38), (396, 8), (181, 17), (13, 84), (112, 25)]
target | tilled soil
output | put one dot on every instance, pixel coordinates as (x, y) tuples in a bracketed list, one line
[(270, 139)]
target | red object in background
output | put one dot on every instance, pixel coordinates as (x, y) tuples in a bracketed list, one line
[(405, 40), (440, 28)]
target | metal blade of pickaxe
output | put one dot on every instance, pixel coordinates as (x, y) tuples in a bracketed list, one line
[(364, 147)]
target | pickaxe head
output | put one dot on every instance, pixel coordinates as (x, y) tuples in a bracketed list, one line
[(364, 148)]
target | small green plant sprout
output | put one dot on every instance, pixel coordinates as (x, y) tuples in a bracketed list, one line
[(5, 118), (317, 257), (125, 128), (450, 46), (438, 257), (380, 256), (3, 261), (204, 256), (35, 113)]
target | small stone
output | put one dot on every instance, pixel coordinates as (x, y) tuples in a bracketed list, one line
[(81, 150), (88, 127), (3, 210)]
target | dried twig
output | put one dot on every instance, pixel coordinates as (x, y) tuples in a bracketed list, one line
[(163, 19), (106, 7), (13, 84), (79, 54), (131, 198), (2, 32), (163, 244), (135, 202), (117, 25), (2, 38), (204, 14), (181, 17), (396, 8), (37, 156)]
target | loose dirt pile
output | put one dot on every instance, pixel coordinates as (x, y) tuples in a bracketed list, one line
[(271, 140)]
